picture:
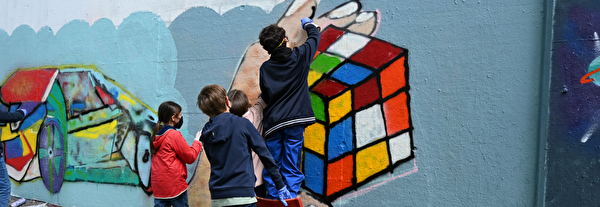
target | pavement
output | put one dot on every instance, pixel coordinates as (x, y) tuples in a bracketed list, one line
[(31, 203)]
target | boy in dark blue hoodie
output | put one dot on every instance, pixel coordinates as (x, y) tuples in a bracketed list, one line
[(284, 87), (227, 141)]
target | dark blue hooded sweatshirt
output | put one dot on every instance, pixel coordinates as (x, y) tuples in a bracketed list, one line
[(227, 141), (284, 85)]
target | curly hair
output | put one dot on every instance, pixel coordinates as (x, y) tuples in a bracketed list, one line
[(271, 37)]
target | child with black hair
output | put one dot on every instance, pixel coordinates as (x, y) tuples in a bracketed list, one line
[(170, 154), (284, 87), (228, 140)]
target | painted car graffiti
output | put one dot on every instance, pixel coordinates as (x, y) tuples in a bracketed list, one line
[(80, 126)]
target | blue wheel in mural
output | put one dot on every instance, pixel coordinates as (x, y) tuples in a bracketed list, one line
[(52, 155)]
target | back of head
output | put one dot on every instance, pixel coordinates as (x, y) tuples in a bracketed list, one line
[(271, 37), (239, 102), (166, 110), (212, 100)]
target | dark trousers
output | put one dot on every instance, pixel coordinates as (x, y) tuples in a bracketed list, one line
[(286, 145), (179, 201)]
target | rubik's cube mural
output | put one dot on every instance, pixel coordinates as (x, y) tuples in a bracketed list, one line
[(359, 92)]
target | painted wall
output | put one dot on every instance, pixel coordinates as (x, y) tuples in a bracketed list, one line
[(573, 144), (419, 103)]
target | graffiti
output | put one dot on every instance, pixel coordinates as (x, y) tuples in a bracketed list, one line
[(573, 139), (361, 101), (360, 96), (80, 126), (84, 126)]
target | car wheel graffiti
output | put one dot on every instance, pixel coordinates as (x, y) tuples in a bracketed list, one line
[(51, 155), (143, 159)]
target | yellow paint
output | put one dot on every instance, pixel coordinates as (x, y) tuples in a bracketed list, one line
[(371, 160), (95, 132), (7, 134), (31, 133), (313, 76), (123, 97), (24, 146), (340, 106), (314, 138)]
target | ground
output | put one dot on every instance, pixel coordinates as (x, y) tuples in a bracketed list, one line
[(31, 203)]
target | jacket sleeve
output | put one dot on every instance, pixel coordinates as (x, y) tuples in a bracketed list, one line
[(255, 114), (184, 151), (312, 43), (6, 117), (259, 147)]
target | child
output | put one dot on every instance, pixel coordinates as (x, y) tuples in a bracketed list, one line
[(170, 153), (228, 140), (284, 87), (7, 117), (240, 106)]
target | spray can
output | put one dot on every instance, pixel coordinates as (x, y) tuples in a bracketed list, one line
[(18, 202)]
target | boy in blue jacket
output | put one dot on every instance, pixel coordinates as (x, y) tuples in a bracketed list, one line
[(284, 87), (227, 141)]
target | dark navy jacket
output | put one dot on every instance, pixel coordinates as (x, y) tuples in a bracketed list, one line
[(8, 117), (227, 140), (284, 85)]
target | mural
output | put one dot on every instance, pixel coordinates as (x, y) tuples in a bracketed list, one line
[(359, 92), (80, 126), (85, 126), (573, 139)]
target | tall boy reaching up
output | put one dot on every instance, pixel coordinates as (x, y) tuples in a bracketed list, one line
[(284, 87)]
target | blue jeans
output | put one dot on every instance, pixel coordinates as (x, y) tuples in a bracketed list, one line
[(179, 201), (286, 145), (4, 183)]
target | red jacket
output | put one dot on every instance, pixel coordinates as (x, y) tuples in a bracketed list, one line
[(169, 172)]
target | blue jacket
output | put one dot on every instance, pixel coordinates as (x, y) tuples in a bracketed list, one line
[(8, 117), (227, 140), (284, 85)]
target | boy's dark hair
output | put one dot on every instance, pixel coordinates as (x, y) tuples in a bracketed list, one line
[(166, 110), (239, 102), (212, 100), (271, 37)]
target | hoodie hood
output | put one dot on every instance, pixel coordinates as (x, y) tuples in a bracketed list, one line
[(281, 54), (158, 139), (218, 129)]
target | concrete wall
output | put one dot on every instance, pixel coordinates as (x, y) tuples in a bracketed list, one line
[(453, 121), (573, 170)]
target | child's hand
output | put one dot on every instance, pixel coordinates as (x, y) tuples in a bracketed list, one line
[(283, 194), (198, 135)]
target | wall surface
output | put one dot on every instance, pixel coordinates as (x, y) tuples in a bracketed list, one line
[(419, 103), (573, 144)]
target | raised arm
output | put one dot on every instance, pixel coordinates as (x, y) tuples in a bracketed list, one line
[(187, 153), (6, 117)]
